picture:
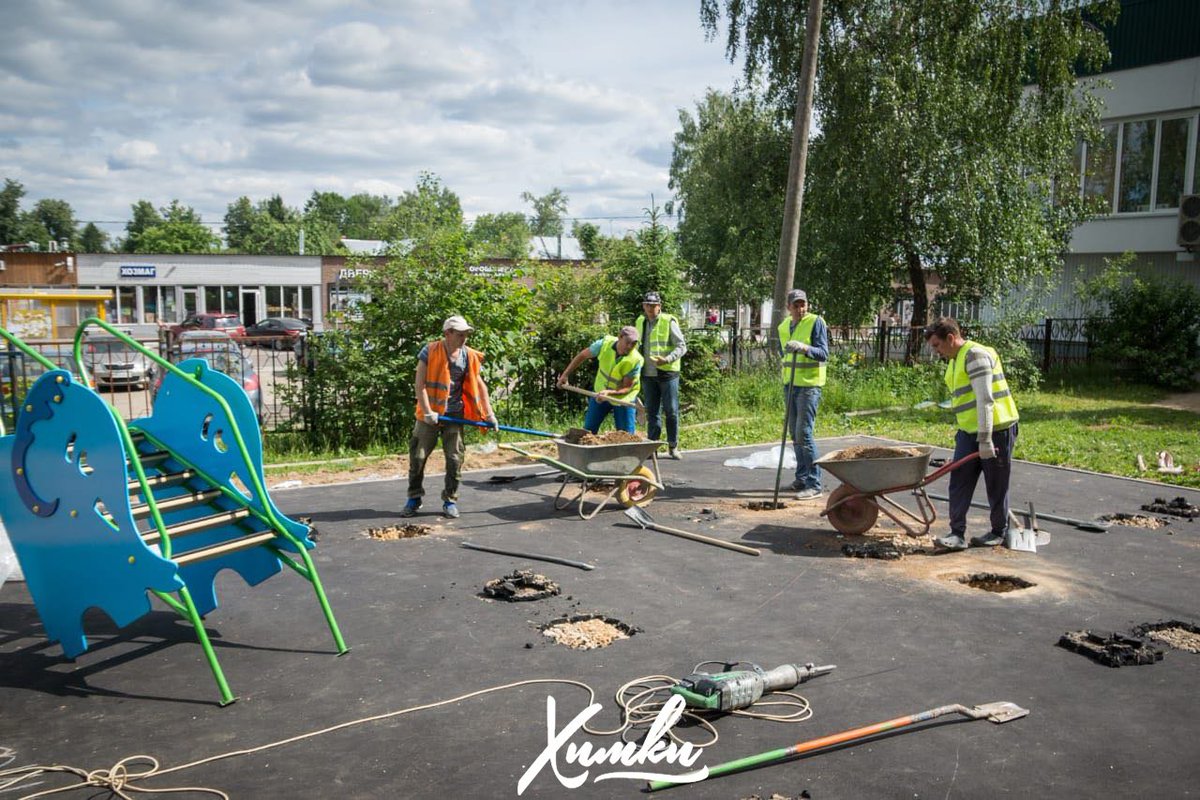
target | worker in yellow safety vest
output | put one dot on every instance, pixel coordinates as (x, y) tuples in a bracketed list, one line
[(663, 348), (618, 375), (804, 344), (987, 418)]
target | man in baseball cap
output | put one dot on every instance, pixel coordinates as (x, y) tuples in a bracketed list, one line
[(618, 375), (448, 384), (804, 343), (662, 346)]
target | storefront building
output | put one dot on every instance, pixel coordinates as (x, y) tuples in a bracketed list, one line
[(155, 290)]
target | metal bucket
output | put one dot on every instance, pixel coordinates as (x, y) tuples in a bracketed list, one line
[(606, 459), (878, 474)]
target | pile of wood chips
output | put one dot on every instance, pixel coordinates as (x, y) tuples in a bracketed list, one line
[(608, 437), (866, 451), (585, 634), (390, 533)]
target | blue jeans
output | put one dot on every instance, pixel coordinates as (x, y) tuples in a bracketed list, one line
[(662, 391), (802, 418), (996, 472), (624, 417)]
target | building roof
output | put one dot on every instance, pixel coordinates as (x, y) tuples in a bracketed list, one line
[(1153, 32)]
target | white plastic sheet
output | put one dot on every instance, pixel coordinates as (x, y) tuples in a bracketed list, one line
[(764, 459), (10, 570)]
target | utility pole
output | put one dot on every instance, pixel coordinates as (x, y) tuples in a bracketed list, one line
[(790, 235)]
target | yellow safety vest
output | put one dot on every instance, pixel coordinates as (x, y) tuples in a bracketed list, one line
[(962, 396), (613, 369), (659, 340), (809, 371)]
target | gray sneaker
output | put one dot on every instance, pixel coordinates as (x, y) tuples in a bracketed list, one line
[(809, 494), (990, 540), (951, 542), (673, 453)]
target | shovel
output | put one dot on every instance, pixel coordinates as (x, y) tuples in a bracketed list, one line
[(511, 478), (641, 409), (1018, 537), (646, 521)]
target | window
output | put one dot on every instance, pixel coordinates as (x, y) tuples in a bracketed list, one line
[(306, 299), (1172, 162), (291, 301), (230, 295), (212, 299), (1137, 165), (127, 304), (1101, 162), (274, 301)]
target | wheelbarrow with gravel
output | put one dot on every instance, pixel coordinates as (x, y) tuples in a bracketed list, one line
[(592, 466), (869, 475)]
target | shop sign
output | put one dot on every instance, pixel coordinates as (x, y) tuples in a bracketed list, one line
[(139, 271)]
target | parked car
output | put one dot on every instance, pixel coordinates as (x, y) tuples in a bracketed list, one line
[(227, 323), (222, 354), (114, 363), (280, 333)]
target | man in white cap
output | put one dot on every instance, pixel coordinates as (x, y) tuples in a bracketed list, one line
[(618, 375), (662, 348), (448, 384), (804, 343)]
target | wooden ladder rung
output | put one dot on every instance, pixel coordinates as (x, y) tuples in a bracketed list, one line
[(182, 501), (153, 481), (152, 536), (147, 459), (223, 548)]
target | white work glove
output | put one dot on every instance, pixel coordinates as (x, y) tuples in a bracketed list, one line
[(495, 423), (794, 346), (431, 418), (987, 450)]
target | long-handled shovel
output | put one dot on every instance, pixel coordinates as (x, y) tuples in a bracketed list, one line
[(637, 406), (787, 418), (530, 431), (646, 521), (993, 712)]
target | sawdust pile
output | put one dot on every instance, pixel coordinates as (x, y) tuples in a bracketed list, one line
[(1136, 521), (608, 437), (585, 634), (390, 533), (864, 451), (1178, 638)]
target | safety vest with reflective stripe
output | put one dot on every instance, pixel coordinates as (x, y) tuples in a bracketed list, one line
[(809, 371), (613, 369), (962, 396), (437, 382), (658, 340)]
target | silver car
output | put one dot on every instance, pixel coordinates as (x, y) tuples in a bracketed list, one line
[(114, 363)]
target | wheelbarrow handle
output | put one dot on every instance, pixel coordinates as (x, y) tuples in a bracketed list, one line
[(933, 476)]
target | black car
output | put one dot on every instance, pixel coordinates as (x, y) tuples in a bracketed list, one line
[(279, 333)]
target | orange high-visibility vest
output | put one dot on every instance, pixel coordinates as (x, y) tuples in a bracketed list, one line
[(437, 382)]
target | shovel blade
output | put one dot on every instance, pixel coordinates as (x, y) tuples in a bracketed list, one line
[(1021, 539), (1000, 712), (639, 516)]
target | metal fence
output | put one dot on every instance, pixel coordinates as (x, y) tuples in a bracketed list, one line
[(269, 366)]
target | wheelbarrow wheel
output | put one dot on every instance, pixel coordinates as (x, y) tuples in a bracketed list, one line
[(635, 492), (853, 516)]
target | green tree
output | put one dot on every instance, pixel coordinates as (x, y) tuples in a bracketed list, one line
[(143, 216), (944, 124), (646, 261), (50, 220), (503, 235), (181, 231), (366, 216), (421, 213), (729, 171), (547, 219), (239, 223), (93, 240), (591, 241), (10, 211)]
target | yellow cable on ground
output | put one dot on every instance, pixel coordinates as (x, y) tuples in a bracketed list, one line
[(638, 710)]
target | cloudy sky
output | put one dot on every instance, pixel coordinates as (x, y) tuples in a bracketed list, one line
[(104, 102)]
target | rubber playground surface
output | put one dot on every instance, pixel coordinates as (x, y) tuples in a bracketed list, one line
[(906, 636)]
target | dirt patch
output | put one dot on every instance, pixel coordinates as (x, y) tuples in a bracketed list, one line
[(1180, 635), (1189, 401), (1179, 507), (521, 585), (1136, 521), (766, 505), (991, 582), (391, 533), (868, 451), (587, 631), (1110, 649), (575, 436)]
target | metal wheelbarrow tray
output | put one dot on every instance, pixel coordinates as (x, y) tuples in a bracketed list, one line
[(623, 463), (854, 506)]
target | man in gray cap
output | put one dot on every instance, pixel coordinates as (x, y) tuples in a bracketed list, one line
[(448, 384), (804, 344), (663, 347)]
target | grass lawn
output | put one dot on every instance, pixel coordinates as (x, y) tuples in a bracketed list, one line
[(1084, 422)]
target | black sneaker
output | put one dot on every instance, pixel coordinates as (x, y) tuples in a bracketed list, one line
[(796, 486), (410, 508), (991, 540)]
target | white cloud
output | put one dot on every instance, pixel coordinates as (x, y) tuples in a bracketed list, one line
[(134, 155)]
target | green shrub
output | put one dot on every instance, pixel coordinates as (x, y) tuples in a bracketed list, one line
[(1152, 331)]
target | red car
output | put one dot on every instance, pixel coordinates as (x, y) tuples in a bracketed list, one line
[(227, 323)]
